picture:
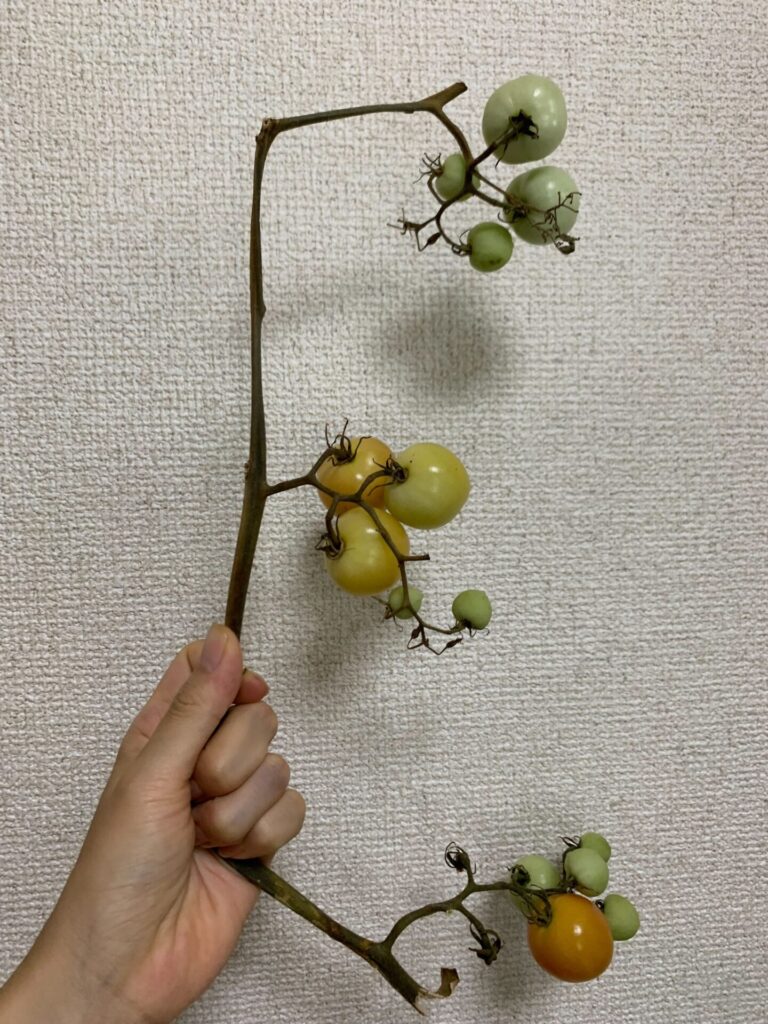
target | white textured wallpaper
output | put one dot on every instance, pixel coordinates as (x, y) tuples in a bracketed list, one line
[(610, 406)]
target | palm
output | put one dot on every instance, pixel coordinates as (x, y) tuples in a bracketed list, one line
[(195, 938)]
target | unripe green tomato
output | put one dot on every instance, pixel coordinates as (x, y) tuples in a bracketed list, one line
[(472, 608), (598, 843), (622, 916), (396, 601), (538, 97), (542, 874), (490, 246), (542, 188), (450, 182), (588, 871), (435, 488)]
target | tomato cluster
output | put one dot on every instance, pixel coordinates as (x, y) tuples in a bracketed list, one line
[(371, 495), (569, 935), (524, 120)]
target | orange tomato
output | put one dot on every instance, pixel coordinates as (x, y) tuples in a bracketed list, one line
[(577, 944), (370, 455)]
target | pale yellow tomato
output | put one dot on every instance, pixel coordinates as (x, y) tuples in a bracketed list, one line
[(370, 455), (435, 488), (366, 564)]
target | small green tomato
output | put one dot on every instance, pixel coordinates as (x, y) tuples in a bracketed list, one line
[(472, 608), (542, 874), (594, 841), (621, 915), (588, 871), (396, 601), (450, 182), (490, 246)]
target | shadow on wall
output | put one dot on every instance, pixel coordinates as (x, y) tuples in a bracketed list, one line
[(450, 337), (452, 342)]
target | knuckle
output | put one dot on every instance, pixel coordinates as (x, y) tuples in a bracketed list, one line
[(215, 772), (216, 824), (186, 703), (264, 840), (125, 749), (205, 775), (117, 787), (279, 769), (228, 834), (266, 718), (298, 807)]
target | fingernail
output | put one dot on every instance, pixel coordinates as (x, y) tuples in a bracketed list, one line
[(213, 648)]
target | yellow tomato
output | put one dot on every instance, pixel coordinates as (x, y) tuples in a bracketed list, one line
[(434, 490), (366, 564), (369, 455)]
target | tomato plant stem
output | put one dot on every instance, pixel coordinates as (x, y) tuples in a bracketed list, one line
[(257, 490), (379, 954)]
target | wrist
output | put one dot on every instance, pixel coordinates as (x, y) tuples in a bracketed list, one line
[(51, 986)]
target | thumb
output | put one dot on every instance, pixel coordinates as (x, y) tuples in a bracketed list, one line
[(198, 707)]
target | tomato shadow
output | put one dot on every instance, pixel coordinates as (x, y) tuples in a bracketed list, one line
[(454, 340), (515, 981), (336, 631), (452, 330)]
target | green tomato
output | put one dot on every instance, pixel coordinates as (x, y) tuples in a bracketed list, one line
[(450, 182), (490, 246), (541, 189), (621, 915), (396, 601), (542, 101), (587, 869), (542, 874), (594, 841), (435, 488), (472, 608)]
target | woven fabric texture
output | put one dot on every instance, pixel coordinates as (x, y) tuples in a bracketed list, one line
[(610, 406)]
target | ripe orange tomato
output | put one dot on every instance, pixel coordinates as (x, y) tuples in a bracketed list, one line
[(577, 944), (370, 455), (366, 564)]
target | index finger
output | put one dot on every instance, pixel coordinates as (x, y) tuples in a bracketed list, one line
[(253, 688)]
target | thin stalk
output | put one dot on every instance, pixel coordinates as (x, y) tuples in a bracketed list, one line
[(378, 954)]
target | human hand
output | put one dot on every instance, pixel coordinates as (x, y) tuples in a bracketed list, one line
[(149, 916)]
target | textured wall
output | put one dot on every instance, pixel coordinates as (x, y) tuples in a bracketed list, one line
[(611, 408)]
